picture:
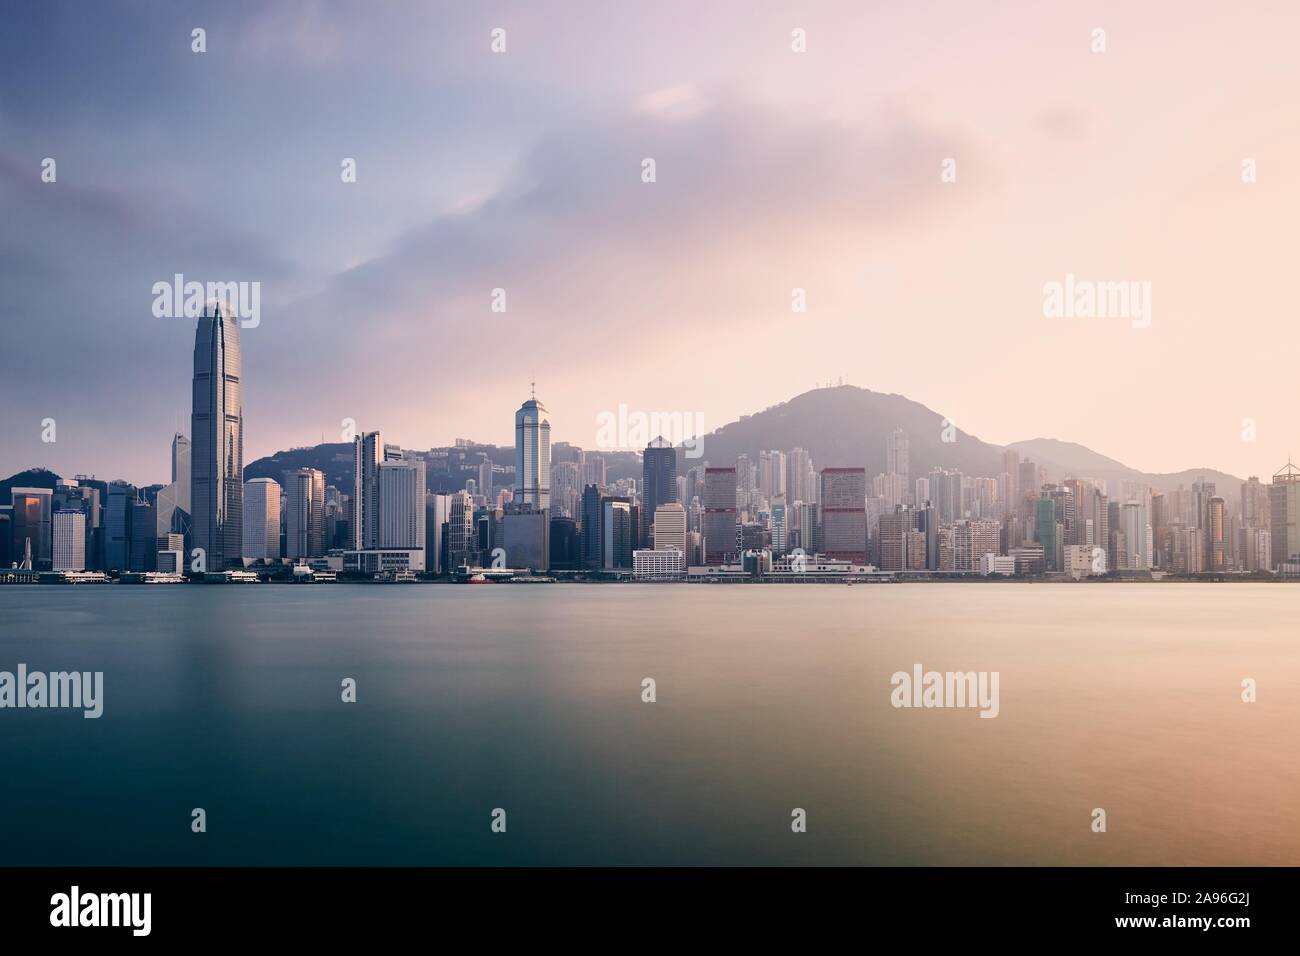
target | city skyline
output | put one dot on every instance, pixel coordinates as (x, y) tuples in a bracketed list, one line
[(780, 174)]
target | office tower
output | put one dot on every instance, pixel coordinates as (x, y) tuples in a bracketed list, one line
[(485, 477), (69, 547), (589, 522), (181, 452), (117, 526), (566, 545), (437, 510), (1046, 530), (616, 534), (393, 452), (7, 536), (844, 513), (566, 489), (401, 504), (262, 519), (720, 515), (526, 538), (80, 494), (172, 504), (33, 510), (461, 546), (367, 454), (1284, 515), (532, 457), (144, 535), (659, 481), (894, 528), (670, 528), (304, 514), (217, 440), (897, 457)]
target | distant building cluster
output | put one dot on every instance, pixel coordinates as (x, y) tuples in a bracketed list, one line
[(555, 509)]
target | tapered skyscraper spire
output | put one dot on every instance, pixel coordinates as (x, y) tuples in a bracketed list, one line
[(217, 437)]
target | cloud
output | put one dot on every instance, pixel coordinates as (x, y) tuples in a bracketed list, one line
[(1064, 123)]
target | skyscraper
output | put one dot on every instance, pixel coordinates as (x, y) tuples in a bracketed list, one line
[(367, 453), (69, 541), (616, 533), (532, 457), (401, 505), (181, 452), (1284, 514), (1046, 530), (33, 524), (896, 454), (659, 485), (719, 514), (117, 526), (670, 528), (262, 519), (461, 546), (304, 520), (844, 514), (172, 511), (217, 444)]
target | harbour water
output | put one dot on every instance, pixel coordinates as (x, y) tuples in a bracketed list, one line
[(530, 699)]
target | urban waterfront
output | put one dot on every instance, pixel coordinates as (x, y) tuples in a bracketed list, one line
[(767, 700)]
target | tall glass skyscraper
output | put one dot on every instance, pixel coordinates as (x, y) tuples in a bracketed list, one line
[(532, 457), (217, 440), (659, 481)]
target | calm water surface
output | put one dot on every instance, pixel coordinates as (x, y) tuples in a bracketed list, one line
[(1125, 697)]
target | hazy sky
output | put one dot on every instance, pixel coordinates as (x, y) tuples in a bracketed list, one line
[(775, 170)]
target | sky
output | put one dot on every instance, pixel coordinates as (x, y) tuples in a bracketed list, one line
[(775, 170)]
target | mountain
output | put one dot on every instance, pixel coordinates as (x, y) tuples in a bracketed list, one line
[(847, 426), (1064, 458), (31, 478), (839, 426)]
